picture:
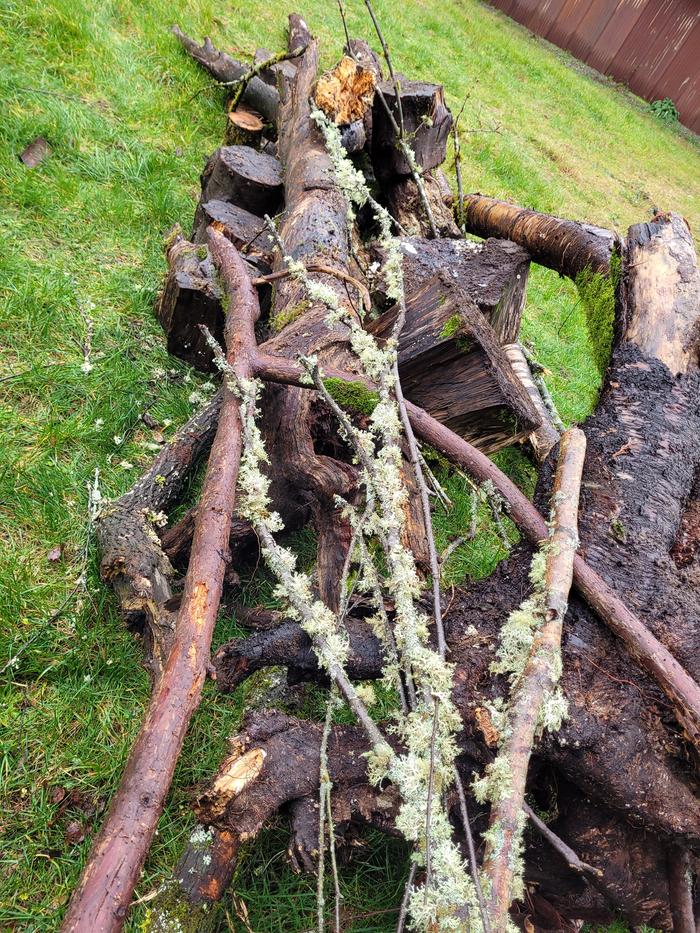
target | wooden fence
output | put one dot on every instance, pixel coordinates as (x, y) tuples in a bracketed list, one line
[(653, 46)]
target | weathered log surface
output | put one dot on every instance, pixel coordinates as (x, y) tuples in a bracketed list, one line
[(492, 274), (546, 436), (191, 298), (244, 177), (567, 246), (626, 783), (452, 366), (246, 231), (426, 121)]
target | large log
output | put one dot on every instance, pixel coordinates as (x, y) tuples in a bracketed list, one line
[(451, 365), (567, 246)]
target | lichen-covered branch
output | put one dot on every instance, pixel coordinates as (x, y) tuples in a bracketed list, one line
[(530, 653)]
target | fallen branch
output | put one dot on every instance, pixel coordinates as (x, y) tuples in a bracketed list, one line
[(538, 680), (105, 889)]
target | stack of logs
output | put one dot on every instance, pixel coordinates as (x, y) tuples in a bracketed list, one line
[(619, 780)]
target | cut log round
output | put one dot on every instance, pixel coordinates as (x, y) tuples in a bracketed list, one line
[(191, 299), (405, 204), (427, 122), (244, 127), (244, 177)]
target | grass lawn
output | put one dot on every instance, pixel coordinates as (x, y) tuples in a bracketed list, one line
[(81, 358)]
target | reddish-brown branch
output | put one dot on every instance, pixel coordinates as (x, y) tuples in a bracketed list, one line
[(101, 900), (644, 647), (539, 675)]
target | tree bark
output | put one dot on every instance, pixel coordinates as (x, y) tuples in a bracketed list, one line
[(567, 246), (101, 900)]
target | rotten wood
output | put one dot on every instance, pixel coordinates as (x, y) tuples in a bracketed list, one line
[(451, 365), (493, 275), (345, 93), (539, 676), (103, 895), (567, 246), (546, 436)]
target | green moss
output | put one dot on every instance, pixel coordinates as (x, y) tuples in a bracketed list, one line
[(290, 314), (451, 327), (352, 396), (597, 294), (173, 913), (202, 252)]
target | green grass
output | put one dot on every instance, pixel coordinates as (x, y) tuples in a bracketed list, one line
[(108, 87)]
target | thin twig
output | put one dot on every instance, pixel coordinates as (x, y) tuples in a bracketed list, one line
[(403, 912)]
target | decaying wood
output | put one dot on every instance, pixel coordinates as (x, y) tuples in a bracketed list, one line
[(617, 775), (564, 245), (133, 561), (493, 275), (426, 123), (106, 886), (345, 93), (451, 365), (662, 292), (538, 678), (646, 649), (191, 297), (405, 204), (546, 436)]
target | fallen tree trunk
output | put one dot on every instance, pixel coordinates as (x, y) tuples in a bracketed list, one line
[(564, 245), (101, 900)]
